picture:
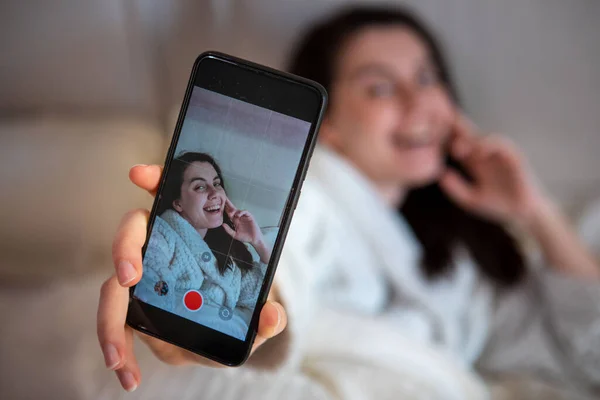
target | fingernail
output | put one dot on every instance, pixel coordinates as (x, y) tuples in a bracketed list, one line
[(140, 165), (111, 356), (126, 272), (279, 310), (128, 381)]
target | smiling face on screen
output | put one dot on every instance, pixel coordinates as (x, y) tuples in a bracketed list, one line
[(202, 198)]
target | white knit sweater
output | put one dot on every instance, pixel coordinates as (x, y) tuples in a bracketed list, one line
[(179, 256)]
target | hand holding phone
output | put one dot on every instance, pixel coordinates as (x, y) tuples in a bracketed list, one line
[(116, 338), (194, 276)]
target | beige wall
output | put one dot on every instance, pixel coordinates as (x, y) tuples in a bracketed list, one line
[(528, 69)]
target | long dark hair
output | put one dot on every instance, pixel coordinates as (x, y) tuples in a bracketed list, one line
[(217, 239), (438, 223)]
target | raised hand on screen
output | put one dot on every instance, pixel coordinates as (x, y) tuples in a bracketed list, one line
[(245, 229)]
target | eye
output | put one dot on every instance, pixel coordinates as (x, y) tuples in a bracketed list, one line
[(218, 184), (379, 90), (200, 188)]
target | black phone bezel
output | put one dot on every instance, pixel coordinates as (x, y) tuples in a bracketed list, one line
[(268, 88)]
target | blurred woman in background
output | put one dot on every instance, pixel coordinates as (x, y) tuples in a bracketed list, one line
[(399, 274)]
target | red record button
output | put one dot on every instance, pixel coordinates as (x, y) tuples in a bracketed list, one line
[(192, 300)]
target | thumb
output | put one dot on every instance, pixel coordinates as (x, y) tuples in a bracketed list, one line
[(229, 231), (458, 189), (146, 176), (273, 320)]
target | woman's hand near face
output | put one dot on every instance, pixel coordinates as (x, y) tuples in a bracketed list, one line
[(116, 338), (504, 190), (245, 229)]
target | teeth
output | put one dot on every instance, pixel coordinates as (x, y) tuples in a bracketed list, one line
[(213, 208)]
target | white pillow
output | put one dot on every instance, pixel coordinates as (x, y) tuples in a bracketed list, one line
[(64, 188)]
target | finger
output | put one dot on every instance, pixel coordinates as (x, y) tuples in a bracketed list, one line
[(238, 214), (463, 133), (489, 155), (477, 153), (127, 247), (229, 231), (504, 156), (273, 320), (229, 208), (462, 126), (462, 138), (229, 205), (112, 311), (146, 177), (129, 374), (502, 147), (485, 147), (460, 148), (482, 149), (244, 214), (458, 189)]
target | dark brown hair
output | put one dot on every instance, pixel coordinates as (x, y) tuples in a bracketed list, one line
[(217, 239), (438, 223)]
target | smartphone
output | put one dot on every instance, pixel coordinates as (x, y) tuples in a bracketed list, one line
[(230, 184)]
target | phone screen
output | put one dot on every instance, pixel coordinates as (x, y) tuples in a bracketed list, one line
[(220, 210)]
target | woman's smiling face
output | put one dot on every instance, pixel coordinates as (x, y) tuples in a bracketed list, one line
[(389, 113), (202, 198)]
